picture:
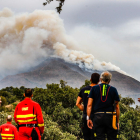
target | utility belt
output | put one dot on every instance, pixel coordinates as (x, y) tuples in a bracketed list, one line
[(34, 134), (113, 113), (113, 118), (28, 125)]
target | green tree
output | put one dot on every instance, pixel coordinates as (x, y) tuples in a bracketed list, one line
[(127, 101), (58, 101), (59, 8), (8, 89), (68, 119), (63, 83), (45, 98), (129, 120), (62, 117), (4, 102), (18, 93), (53, 131), (10, 98), (87, 83)]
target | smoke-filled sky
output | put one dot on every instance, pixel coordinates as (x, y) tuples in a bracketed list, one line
[(101, 34)]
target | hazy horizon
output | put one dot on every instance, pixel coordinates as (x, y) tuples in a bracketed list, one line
[(109, 30)]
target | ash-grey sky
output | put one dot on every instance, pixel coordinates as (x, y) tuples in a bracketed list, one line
[(109, 29)]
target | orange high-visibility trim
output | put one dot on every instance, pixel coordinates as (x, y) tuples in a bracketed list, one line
[(114, 121)]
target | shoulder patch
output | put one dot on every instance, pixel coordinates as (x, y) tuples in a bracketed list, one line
[(87, 91), (6, 129), (24, 108)]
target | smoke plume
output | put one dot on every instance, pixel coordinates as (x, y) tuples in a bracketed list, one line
[(29, 38)]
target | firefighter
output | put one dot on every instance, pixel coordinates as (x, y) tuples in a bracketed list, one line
[(28, 116), (8, 131), (103, 98), (83, 97)]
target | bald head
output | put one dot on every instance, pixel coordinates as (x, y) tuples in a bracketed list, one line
[(106, 77), (9, 118)]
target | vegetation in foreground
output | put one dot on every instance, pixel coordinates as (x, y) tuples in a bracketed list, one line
[(62, 117)]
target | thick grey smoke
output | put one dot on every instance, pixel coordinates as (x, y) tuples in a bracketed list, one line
[(29, 38)]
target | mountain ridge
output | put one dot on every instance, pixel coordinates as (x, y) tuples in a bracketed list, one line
[(53, 70)]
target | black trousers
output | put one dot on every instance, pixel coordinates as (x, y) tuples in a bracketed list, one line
[(88, 133), (103, 125)]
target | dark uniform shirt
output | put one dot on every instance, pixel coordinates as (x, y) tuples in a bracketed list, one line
[(84, 95), (103, 96)]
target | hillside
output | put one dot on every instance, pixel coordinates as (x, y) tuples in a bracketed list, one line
[(53, 70)]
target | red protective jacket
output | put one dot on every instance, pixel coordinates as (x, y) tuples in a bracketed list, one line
[(29, 112), (8, 131)]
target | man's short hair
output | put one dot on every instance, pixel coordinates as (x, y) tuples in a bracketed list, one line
[(95, 78), (9, 118), (28, 92), (106, 76)]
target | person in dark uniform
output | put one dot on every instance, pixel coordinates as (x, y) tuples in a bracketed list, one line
[(103, 98), (83, 98)]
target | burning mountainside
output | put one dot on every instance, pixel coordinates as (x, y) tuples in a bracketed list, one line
[(28, 39), (53, 70)]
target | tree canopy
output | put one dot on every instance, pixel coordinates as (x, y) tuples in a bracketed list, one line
[(62, 118), (59, 8)]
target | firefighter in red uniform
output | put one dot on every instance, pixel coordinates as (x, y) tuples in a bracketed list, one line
[(8, 131), (28, 116)]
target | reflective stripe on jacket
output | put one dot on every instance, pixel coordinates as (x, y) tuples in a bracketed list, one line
[(8, 132), (29, 112)]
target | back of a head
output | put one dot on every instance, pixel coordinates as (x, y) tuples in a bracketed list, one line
[(28, 92), (106, 76), (95, 78), (9, 118)]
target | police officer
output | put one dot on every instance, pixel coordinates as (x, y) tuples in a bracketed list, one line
[(28, 116), (102, 98), (83, 97), (8, 131)]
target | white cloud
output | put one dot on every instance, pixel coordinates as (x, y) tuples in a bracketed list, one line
[(113, 26), (28, 38), (118, 45)]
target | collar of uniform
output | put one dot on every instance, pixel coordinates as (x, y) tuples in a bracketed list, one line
[(8, 122), (92, 85), (104, 83), (27, 98)]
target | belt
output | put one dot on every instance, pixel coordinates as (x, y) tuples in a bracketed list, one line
[(28, 125), (105, 113)]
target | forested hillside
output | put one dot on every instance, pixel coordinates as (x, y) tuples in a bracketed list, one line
[(62, 117)]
